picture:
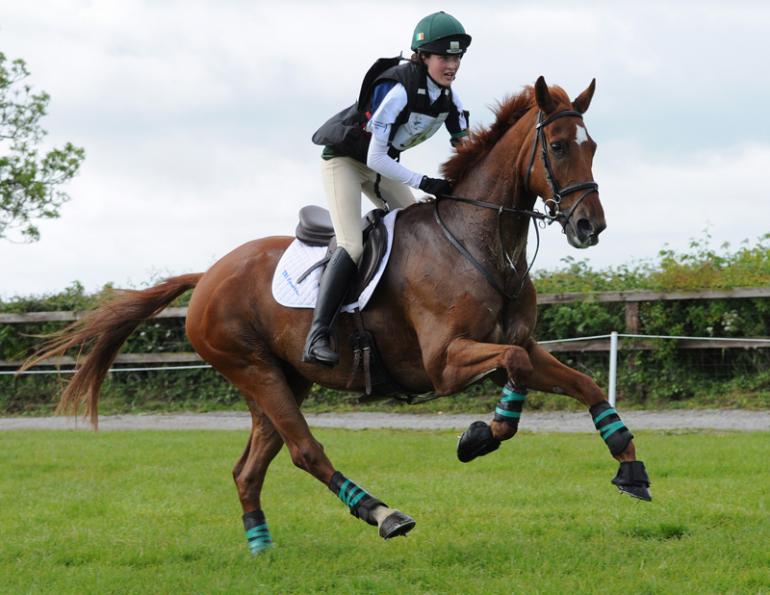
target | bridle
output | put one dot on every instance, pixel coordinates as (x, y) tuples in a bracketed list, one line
[(553, 205)]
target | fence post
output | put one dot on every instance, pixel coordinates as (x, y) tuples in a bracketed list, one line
[(613, 366), (632, 317)]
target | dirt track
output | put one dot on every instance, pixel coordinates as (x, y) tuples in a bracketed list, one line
[(534, 422)]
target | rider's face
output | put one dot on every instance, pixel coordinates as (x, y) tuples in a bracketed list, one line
[(443, 69)]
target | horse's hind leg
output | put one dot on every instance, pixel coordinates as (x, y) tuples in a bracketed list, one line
[(550, 375), (249, 472), (249, 475), (276, 399)]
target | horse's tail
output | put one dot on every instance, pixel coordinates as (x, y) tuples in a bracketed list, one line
[(101, 333)]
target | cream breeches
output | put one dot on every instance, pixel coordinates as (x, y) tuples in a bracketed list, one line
[(344, 180)]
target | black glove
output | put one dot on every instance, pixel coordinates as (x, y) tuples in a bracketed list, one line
[(435, 186)]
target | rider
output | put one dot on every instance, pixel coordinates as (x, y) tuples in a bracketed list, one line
[(400, 108)]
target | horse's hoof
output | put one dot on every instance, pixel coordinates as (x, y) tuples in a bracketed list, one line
[(640, 492), (476, 441), (395, 524), (632, 479)]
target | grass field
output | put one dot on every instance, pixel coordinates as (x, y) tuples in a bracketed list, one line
[(156, 512)]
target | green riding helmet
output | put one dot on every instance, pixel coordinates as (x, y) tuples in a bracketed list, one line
[(440, 33)]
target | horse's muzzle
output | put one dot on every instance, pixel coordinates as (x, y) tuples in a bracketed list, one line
[(583, 232)]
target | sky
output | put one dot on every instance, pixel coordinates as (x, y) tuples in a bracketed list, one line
[(196, 119)]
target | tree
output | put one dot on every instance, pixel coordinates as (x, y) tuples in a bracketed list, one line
[(29, 179)]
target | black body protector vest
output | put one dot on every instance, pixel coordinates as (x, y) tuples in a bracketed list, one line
[(345, 134)]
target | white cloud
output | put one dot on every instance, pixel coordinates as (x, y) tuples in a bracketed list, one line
[(125, 228), (196, 118)]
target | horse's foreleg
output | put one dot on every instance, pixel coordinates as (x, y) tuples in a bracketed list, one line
[(550, 375), (467, 361), (267, 386)]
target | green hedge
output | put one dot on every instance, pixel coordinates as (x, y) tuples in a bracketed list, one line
[(664, 377), (670, 376)]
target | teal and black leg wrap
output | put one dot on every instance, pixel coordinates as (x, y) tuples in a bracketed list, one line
[(509, 406), (611, 428), (257, 533), (361, 504)]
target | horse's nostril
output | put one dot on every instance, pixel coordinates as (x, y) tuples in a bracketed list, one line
[(584, 228)]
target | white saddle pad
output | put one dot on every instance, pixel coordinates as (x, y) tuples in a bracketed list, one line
[(299, 257)]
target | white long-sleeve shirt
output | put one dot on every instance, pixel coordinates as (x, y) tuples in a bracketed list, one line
[(415, 130)]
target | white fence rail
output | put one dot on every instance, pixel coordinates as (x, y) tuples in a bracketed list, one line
[(613, 338), (693, 343), (599, 343)]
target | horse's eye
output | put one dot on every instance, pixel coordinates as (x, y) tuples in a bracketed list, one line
[(558, 147)]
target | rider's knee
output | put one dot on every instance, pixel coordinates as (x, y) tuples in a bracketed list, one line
[(354, 249)]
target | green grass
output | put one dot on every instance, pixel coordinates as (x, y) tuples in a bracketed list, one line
[(156, 512)]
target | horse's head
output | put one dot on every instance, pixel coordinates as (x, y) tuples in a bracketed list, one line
[(559, 165)]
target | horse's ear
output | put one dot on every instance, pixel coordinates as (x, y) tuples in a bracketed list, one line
[(583, 100), (543, 96)]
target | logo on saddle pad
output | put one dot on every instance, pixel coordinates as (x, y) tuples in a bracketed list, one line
[(285, 274)]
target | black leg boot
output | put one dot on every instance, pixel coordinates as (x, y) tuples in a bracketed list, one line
[(334, 286)]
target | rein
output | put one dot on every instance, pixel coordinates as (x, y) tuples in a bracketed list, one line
[(535, 215), (553, 204)]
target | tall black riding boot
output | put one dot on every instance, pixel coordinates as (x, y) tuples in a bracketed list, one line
[(334, 286)]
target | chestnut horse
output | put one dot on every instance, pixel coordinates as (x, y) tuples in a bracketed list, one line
[(455, 305)]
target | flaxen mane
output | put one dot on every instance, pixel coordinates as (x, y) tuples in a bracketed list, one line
[(481, 140)]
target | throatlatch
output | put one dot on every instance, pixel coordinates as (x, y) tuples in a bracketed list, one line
[(478, 440), (257, 533), (611, 428)]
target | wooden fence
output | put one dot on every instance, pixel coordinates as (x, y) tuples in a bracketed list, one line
[(631, 299)]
